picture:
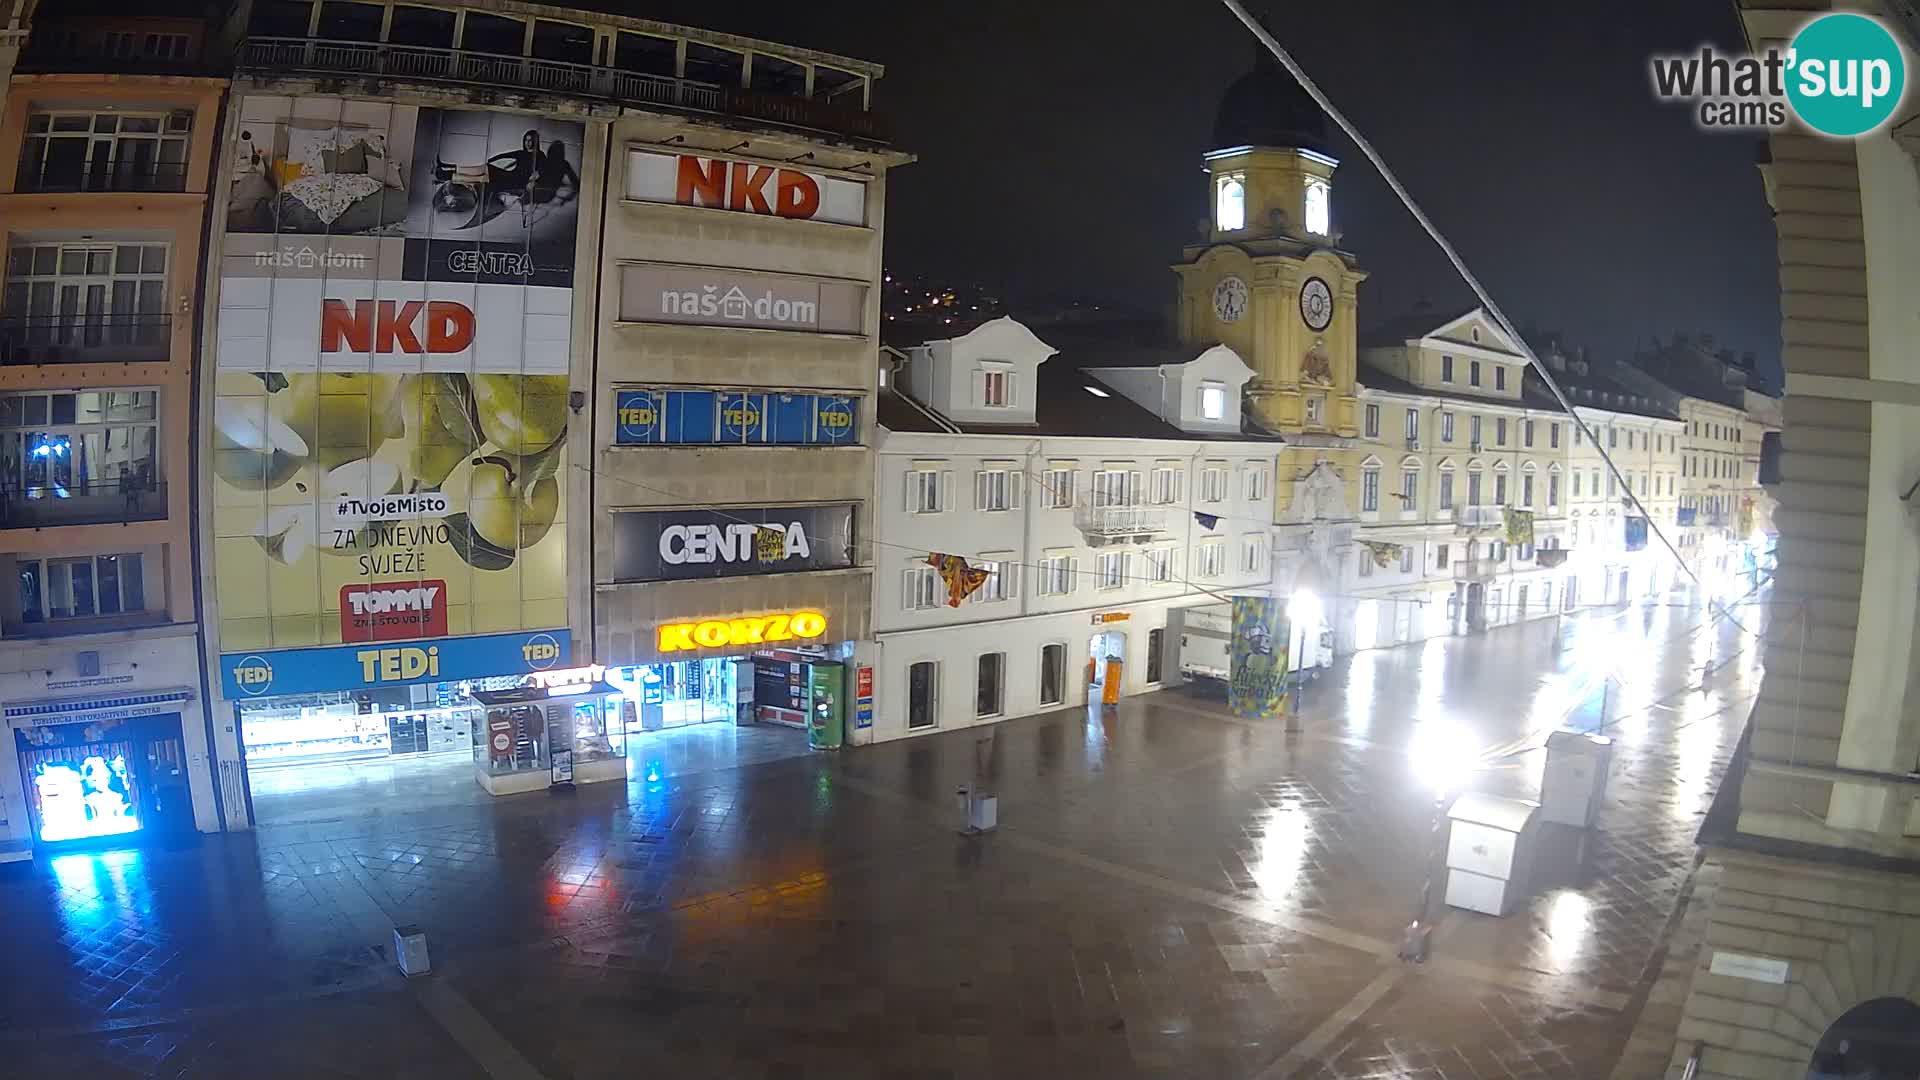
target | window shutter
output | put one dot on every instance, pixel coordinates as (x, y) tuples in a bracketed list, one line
[(979, 387), (1013, 389), (912, 502), (1073, 573), (979, 489), (909, 589), (944, 490), (1014, 478), (1135, 491)]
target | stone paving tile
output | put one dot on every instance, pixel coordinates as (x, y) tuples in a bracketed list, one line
[(384, 1036), (964, 957)]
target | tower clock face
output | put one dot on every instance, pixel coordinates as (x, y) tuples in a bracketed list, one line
[(1316, 304), (1230, 299)]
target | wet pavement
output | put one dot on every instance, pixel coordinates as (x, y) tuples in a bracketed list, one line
[(1172, 893)]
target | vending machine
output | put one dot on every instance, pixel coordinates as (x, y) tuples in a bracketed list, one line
[(826, 688)]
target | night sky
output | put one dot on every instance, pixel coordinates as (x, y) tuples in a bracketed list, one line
[(1059, 147)]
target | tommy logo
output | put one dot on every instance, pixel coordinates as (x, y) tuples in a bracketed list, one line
[(395, 326), (393, 611)]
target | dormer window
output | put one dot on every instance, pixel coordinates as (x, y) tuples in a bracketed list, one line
[(1230, 204), (1213, 401), (996, 387), (1319, 207)]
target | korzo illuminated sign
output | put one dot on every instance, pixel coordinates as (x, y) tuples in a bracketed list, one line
[(751, 630)]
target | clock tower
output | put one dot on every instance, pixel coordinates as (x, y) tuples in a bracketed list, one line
[(1270, 280)]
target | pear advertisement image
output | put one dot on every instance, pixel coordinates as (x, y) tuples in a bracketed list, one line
[(389, 436)]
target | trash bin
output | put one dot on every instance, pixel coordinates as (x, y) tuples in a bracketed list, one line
[(1574, 782), (1489, 847)]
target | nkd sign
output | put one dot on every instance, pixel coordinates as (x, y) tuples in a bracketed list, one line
[(699, 296), (671, 545), (745, 187)]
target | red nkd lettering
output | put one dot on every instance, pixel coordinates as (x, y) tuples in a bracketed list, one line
[(390, 326), (796, 195), (748, 189), (699, 182)]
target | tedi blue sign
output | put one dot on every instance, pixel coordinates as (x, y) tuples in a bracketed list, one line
[(356, 667)]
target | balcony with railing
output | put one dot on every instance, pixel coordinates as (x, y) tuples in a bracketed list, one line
[(68, 41), (387, 60), (85, 339), (1120, 524), (1478, 517), (130, 176), (105, 503)]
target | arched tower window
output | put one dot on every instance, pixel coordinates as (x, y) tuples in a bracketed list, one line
[(1319, 209), (1230, 209)]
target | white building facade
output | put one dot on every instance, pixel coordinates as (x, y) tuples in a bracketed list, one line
[(1099, 500)]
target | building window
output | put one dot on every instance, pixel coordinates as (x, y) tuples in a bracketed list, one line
[(1499, 489), (1409, 489), (1500, 431), (1373, 421), (1167, 485), (1059, 488), (1159, 565), (923, 681), (1406, 558), (1213, 401), (106, 151), (1613, 438), (1212, 558), (920, 589), (995, 489), (1112, 569), (1446, 490), (1553, 435), (1253, 554), (80, 588), (1114, 487), (88, 296), (1230, 204), (1213, 484), (1441, 553), (1473, 373), (998, 586), (996, 388), (1473, 487), (927, 490), (990, 693), (1612, 485), (1053, 673), (1579, 433), (80, 450), (1553, 489), (1369, 490), (1499, 376), (1413, 427), (1526, 490), (1056, 575), (1319, 207), (1366, 562), (1576, 483), (1473, 432), (1446, 427), (1256, 483), (1316, 410), (1156, 641), (1526, 433), (1446, 369)]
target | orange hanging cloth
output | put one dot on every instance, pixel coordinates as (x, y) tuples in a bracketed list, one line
[(962, 580)]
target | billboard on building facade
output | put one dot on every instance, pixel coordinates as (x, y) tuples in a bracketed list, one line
[(745, 187), (1257, 683), (709, 296), (674, 545), (391, 396)]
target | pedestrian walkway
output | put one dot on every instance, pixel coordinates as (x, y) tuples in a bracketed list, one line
[(1173, 892)]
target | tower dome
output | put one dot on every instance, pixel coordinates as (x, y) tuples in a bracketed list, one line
[(1266, 107)]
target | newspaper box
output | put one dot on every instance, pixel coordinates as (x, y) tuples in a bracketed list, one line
[(1574, 782), (1488, 849)]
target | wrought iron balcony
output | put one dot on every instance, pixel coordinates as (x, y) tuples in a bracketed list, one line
[(110, 176), (104, 503), (313, 56), (1120, 524), (85, 339)]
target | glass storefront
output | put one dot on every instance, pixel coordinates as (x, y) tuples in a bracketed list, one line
[(680, 693), (531, 737), (100, 779)]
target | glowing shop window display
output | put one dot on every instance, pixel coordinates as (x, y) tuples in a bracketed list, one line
[(79, 800)]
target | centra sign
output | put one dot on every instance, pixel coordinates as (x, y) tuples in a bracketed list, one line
[(750, 630)]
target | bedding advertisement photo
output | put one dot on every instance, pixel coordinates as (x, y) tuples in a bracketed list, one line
[(391, 406)]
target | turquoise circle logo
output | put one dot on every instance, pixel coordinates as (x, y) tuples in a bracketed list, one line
[(1847, 74)]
